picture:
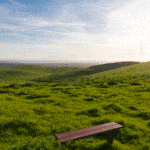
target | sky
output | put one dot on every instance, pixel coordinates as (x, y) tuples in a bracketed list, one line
[(75, 30)]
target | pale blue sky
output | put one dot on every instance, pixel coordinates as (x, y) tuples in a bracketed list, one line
[(69, 30)]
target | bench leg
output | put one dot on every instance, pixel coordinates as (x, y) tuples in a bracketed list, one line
[(110, 136), (109, 139)]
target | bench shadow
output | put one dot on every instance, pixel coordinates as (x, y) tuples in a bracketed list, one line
[(86, 71), (104, 146)]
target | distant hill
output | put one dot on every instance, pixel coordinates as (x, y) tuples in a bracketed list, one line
[(10, 65), (110, 66)]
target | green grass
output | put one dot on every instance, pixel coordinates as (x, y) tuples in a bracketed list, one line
[(38, 102)]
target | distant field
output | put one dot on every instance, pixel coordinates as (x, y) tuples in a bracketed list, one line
[(11, 64), (38, 102)]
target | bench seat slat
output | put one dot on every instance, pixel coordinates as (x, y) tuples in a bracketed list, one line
[(87, 131)]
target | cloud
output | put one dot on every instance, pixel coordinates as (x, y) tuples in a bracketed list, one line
[(130, 23)]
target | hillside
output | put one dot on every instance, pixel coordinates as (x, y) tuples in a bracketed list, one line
[(71, 98)]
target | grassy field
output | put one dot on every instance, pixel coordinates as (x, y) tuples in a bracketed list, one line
[(38, 102)]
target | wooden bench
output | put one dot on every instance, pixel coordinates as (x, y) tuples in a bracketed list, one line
[(112, 126)]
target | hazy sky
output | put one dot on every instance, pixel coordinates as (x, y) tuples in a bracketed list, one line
[(75, 30)]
